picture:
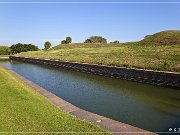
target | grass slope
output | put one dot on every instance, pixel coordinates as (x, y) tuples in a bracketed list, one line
[(166, 58), (170, 37), (24, 110)]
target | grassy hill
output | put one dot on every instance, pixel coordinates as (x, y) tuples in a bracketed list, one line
[(165, 58), (171, 37), (146, 54)]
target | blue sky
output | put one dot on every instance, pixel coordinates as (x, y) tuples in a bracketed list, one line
[(37, 23)]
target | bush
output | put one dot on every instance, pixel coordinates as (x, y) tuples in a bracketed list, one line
[(115, 42), (63, 42), (18, 48), (98, 39), (88, 41), (47, 45), (68, 40), (5, 50)]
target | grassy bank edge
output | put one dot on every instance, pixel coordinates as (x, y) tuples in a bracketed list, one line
[(23, 84), (4, 57), (134, 68), (150, 57)]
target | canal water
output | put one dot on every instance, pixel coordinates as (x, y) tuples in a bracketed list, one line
[(145, 106)]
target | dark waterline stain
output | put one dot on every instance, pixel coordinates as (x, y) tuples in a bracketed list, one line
[(146, 106)]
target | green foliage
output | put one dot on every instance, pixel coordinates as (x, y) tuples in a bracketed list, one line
[(18, 48), (5, 50), (63, 42), (88, 41), (98, 39), (47, 45), (115, 42), (68, 40), (163, 38)]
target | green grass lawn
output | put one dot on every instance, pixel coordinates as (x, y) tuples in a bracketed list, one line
[(165, 58), (24, 110)]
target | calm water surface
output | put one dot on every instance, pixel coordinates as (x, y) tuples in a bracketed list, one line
[(149, 107)]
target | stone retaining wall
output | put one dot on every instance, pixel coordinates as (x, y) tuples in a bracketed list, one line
[(166, 79)]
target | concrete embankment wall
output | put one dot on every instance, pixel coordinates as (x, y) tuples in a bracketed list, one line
[(166, 79)]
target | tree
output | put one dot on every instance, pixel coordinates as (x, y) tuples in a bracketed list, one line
[(98, 39), (68, 40), (5, 50), (88, 41), (18, 48), (63, 42), (47, 45)]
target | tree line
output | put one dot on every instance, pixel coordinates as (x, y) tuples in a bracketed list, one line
[(18, 48), (92, 39)]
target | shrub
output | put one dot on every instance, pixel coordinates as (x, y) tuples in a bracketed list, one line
[(47, 45), (116, 42), (68, 40), (88, 41), (18, 48), (98, 39), (63, 42)]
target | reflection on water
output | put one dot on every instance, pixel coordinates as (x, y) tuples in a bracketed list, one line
[(149, 107)]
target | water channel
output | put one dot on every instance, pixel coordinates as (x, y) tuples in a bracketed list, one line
[(145, 106)]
